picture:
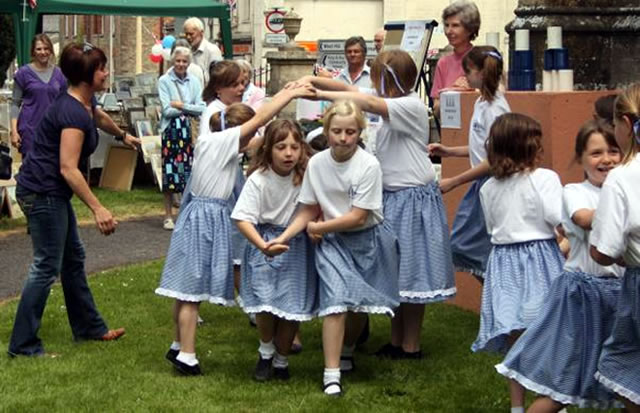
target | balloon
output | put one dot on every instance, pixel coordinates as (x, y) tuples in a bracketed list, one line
[(155, 58), (156, 50), (168, 41), (166, 54)]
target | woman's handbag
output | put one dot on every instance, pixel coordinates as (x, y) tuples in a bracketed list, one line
[(5, 162)]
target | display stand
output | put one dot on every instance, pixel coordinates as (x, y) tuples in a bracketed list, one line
[(413, 37)]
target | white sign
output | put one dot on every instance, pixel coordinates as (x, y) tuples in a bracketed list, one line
[(412, 36), (275, 38), (331, 53), (450, 110)]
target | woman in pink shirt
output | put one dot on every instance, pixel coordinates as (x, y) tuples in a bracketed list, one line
[(461, 25)]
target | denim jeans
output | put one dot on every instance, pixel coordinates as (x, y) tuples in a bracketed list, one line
[(57, 249)]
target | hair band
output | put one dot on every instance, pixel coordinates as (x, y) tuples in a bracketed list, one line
[(636, 131), (493, 54), (395, 79), (222, 125)]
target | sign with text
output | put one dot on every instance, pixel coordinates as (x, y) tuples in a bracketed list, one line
[(331, 53), (450, 110), (273, 21)]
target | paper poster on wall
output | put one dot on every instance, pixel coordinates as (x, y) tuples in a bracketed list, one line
[(450, 112), (412, 36)]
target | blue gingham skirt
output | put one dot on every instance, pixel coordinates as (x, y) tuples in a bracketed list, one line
[(557, 356), (358, 271), (238, 241), (285, 285), (470, 242), (515, 288), (418, 218), (619, 365), (198, 266)]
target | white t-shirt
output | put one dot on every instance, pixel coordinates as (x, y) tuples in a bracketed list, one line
[(339, 186), (267, 198), (575, 197), (616, 225), (401, 144), (526, 206), (215, 164), (213, 107), (484, 114)]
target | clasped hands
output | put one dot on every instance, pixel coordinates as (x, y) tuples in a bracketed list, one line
[(280, 245)]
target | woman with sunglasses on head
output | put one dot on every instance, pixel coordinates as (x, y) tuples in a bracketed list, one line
[(48, 178)]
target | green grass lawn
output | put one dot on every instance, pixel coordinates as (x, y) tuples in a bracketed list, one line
[(132, 375), (140, 201)]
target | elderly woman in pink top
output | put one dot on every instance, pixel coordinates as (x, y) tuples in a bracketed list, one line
[(461, 25)]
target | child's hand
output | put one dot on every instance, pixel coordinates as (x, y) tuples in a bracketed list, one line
[(438, 149), (275, 249), (313, 230), (446, 185), (306, 91)]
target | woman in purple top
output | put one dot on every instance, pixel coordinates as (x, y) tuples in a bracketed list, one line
[(36, 85), (48, 178)]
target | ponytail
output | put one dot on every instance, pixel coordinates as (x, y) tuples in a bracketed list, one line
[(489, 61)]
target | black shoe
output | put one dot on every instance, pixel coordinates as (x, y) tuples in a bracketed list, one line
[(389, 351), (185, 369), (415, 355), (171, 355), (349, 364), (364, 335), (263, 371), (333, 383), (281, 373)]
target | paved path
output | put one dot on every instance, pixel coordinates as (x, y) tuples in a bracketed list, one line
[(137, 240)]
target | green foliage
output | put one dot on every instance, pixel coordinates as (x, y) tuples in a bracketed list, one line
[(7, 45), (132, 375)]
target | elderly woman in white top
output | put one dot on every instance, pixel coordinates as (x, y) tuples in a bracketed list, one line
[(181, 97)]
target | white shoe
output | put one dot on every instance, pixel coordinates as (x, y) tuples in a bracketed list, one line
[(168, 224)]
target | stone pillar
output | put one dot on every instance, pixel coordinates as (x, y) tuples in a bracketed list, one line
[(602, 37), (286, 66)]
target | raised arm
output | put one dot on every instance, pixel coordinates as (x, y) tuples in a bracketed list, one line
[(368, 103)]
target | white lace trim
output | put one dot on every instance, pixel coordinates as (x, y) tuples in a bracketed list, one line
[(278, 313), (469, 270), (195, 298), (559, 397), (338, 309), (435, 295), (618, 388)]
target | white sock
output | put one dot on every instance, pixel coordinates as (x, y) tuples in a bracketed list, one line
[(187, 358), (280, 361), (331, 376), (518, 409), (266, 350), (175, 345), (347, 351)]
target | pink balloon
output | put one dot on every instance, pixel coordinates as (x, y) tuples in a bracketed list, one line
[(154, 58)]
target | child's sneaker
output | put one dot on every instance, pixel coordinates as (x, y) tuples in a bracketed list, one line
[(281, 373), (263, 371)]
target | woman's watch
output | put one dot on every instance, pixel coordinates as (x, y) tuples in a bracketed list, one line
[(120, 138)]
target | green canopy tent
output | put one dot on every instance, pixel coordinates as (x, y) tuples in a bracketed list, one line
[(25, 19)]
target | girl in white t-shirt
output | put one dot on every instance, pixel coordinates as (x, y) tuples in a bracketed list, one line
[(357, 256), (615, 238), (412, 201), (522, 205), (557, 356), (470, 243), (198, 266), (281, 291)]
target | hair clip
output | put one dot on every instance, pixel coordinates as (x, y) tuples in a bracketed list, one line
[(222, 125), (87, 47), (496, 55), (395, 79), (636, 131)]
